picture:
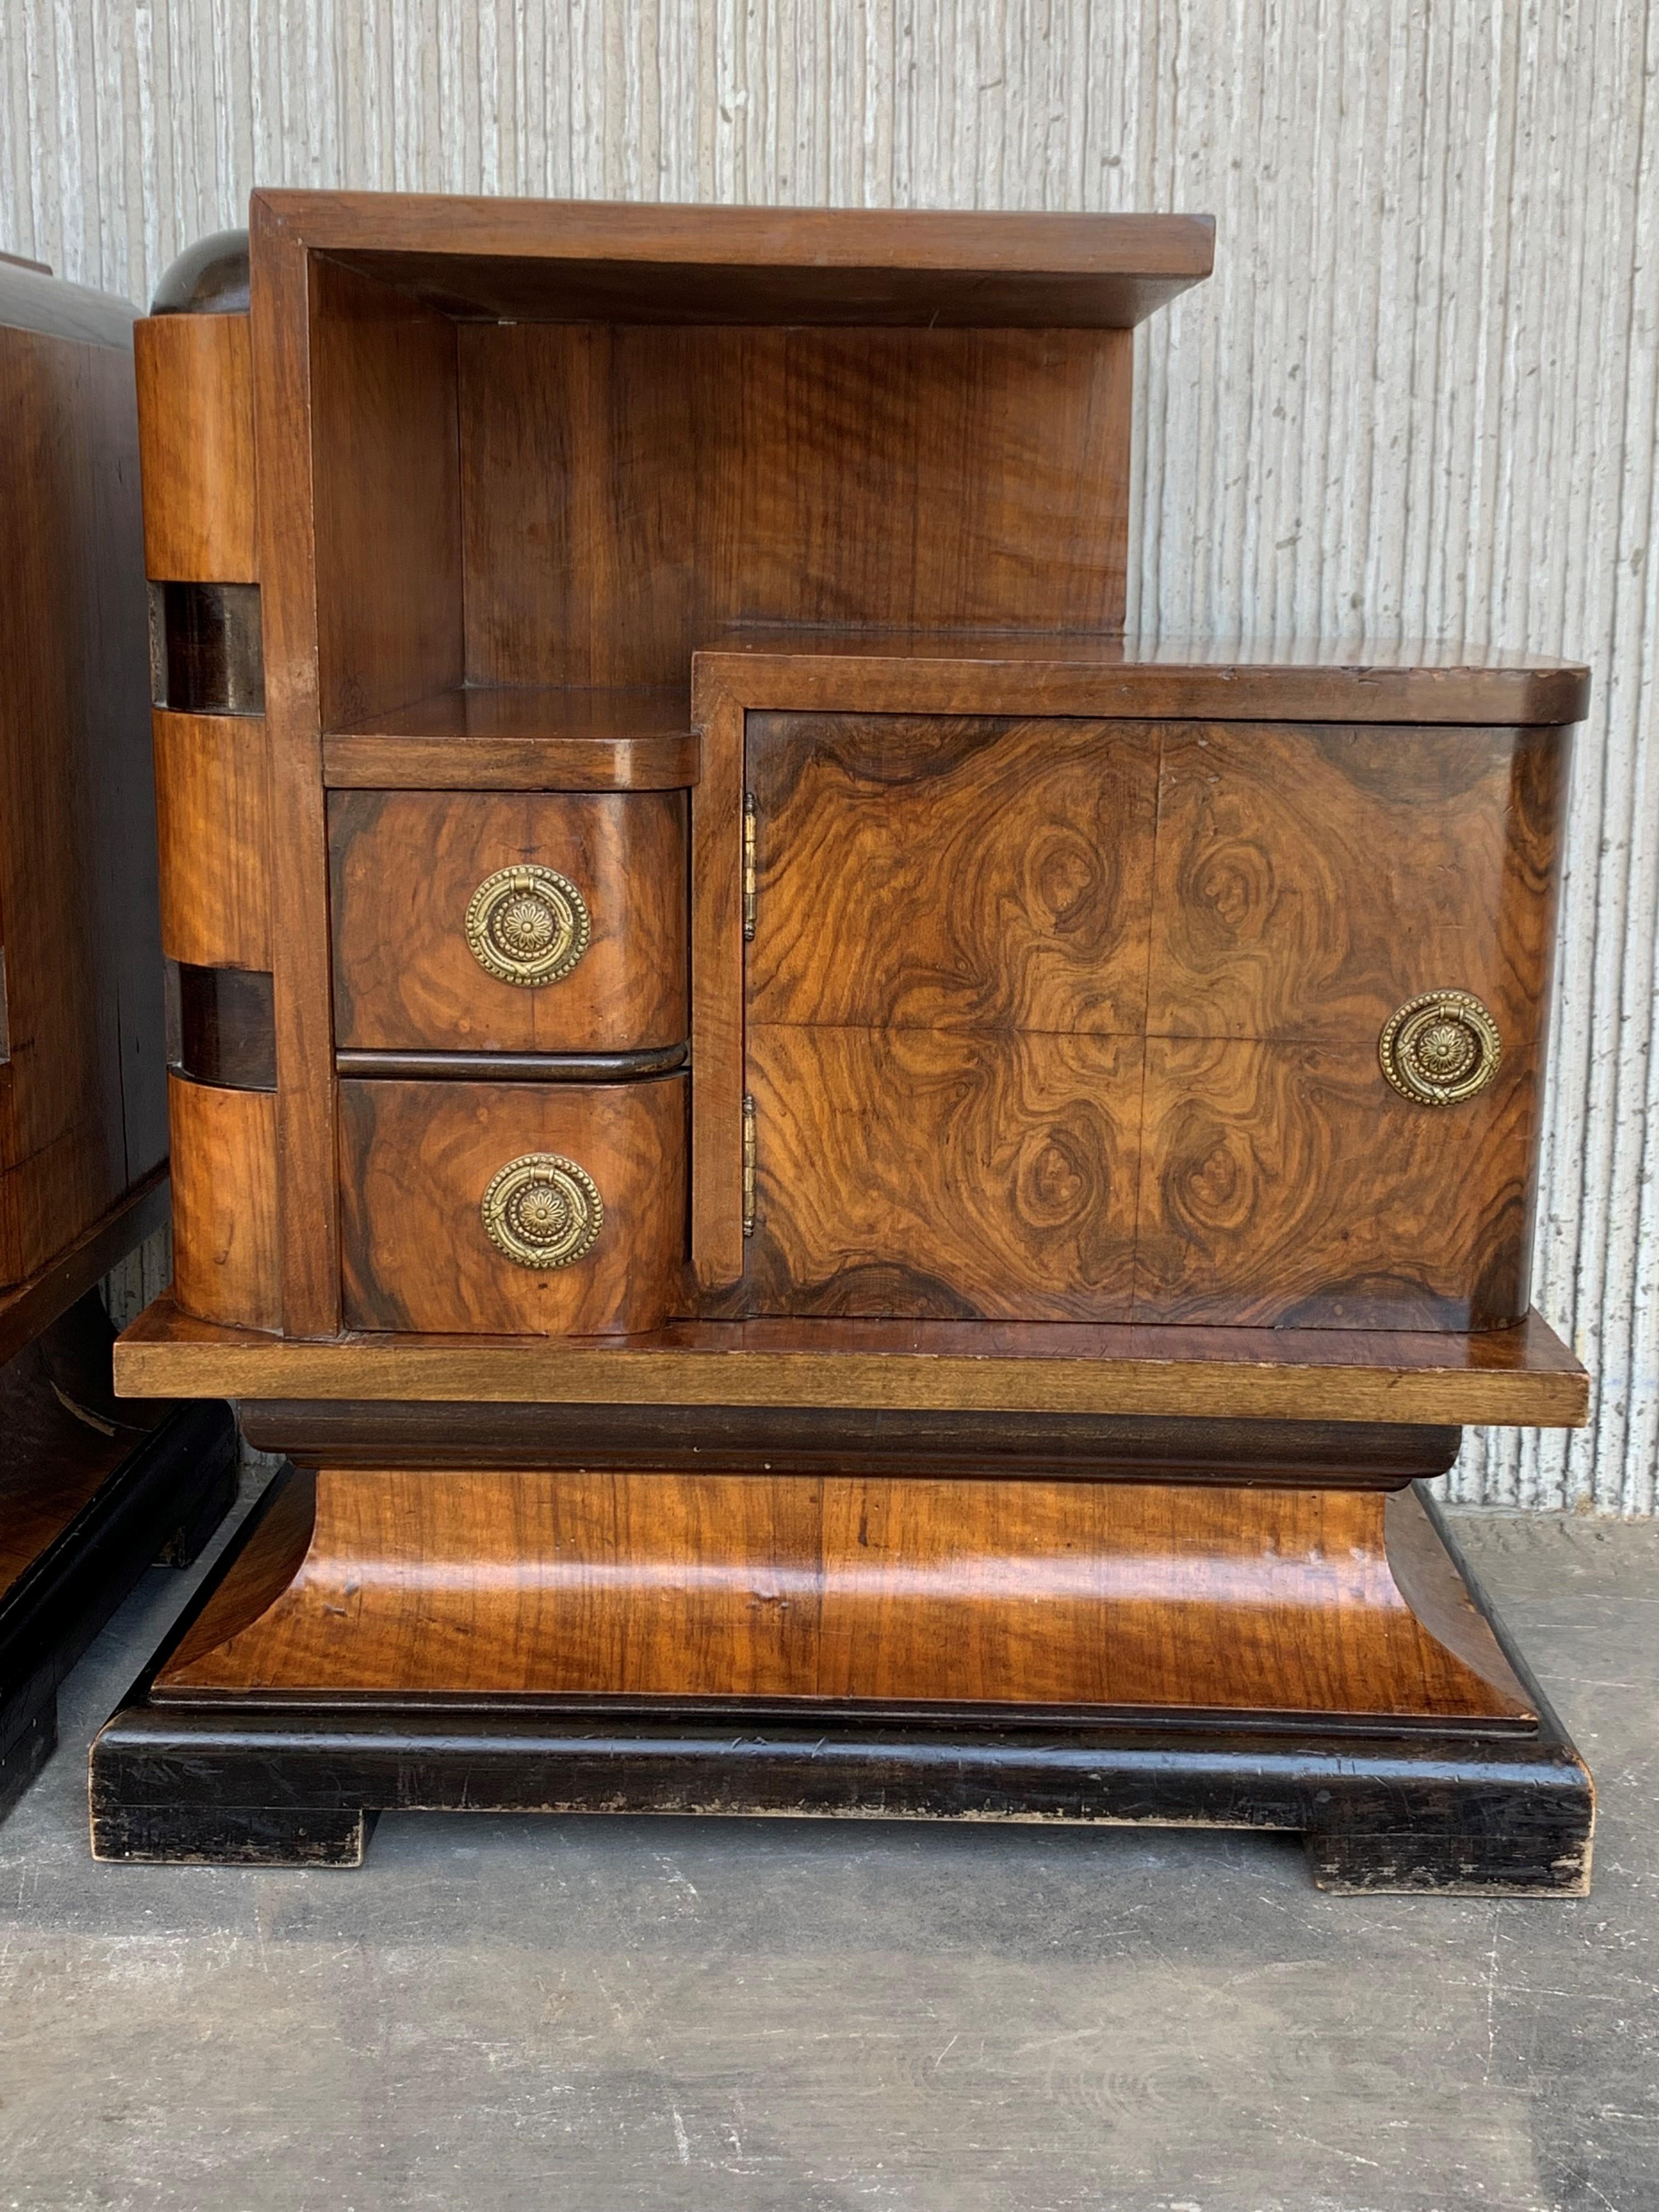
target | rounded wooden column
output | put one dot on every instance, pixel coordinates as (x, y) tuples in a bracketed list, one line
[(212, 778)]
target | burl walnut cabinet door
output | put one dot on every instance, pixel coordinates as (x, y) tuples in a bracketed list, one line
[(1056, 1019), (945, 1000), (1311, 882)]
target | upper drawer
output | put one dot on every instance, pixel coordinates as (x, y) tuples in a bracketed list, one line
[(509, 922)]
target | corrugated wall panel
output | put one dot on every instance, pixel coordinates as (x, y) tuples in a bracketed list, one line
[(1419, 394)]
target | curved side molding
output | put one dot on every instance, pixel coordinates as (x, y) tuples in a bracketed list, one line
[(212, 815), (224, 1203), (196, 445)]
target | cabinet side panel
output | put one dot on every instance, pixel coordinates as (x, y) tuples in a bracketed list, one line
[(385, 480), (84, 1112)]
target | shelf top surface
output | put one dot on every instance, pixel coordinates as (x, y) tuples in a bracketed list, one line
[(1522, 1376), (583, 260), (472, 714), (1147, 674)]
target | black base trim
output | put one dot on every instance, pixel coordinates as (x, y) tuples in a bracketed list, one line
[(166, 1497)]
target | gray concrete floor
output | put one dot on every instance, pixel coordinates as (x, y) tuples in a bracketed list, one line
[(499, 2014)]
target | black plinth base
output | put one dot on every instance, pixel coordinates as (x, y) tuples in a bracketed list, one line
[(302, 1785), (163, 1500)]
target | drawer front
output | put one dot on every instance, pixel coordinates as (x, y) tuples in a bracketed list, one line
[(512, 1209), (509, 922)]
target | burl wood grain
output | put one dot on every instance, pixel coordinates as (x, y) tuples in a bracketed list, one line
[(910, 1593), (947, 1173), (196, 413), (1287, 1185), (1311, 880), (417, 1159), (213, 834), (1308, 883), (924, 872), (945, 996), (405, 865), (629, 489), (225, 1259), (82, 1112)]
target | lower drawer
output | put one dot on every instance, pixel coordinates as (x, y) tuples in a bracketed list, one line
[(513, 1209)]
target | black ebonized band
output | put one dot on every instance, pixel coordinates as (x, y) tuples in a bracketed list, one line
[(826, 1440), (222, 1026), (206, 655), (515, 1067)]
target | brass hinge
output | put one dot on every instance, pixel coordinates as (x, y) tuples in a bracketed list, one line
[(748, 1165), (748, 869)]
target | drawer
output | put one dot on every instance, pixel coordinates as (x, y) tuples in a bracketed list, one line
[(512, 1209), (509, 922)]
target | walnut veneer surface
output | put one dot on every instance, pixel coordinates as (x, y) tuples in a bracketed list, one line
[(911, 1592), (1523, 1375)]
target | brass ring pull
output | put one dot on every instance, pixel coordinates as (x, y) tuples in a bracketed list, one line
[(527, 925), (543, 1210), (1440, 1048)]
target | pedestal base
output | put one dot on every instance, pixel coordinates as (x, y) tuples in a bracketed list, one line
[(853, 1648)]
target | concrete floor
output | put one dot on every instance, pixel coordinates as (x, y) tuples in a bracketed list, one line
[(498, 2013)]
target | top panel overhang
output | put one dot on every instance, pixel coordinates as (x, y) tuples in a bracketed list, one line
[(595, 261)]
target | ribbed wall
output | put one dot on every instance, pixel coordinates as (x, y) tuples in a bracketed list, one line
[(1419, 394)]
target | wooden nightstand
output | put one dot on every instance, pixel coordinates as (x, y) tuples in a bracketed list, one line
[(851, 1191)]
